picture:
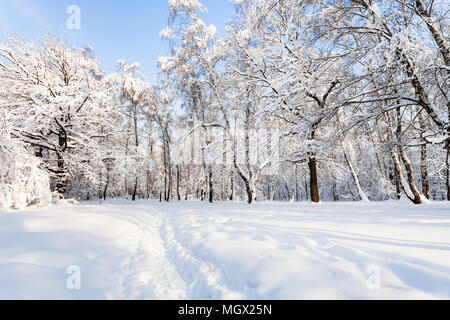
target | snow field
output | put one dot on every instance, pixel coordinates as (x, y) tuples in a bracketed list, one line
[(152, 250)]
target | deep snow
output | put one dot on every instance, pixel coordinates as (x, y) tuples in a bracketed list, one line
[(152, 250)]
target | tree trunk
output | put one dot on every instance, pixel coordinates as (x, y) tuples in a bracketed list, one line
[(169, 187), (307, 195), (361, 193), (313, 181), (249, 192), (211, 187), (147, 186), (61, 179), (424, 169), (188, 179), (448, 175), (248, 188), (417, 198), (61, 175), (409, 186), (205, 174), (136, 138), (135, 189), (105, 190), (274, 189), (165, 172), (178, 183), (423, 162), (397, 181), (335, 195), (232, 184)]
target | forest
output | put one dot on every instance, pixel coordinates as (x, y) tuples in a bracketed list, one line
[(299, 100)]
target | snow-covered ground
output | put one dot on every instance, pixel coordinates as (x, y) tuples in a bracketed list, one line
[(152, 250)]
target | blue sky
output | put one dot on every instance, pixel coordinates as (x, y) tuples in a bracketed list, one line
[(116, 29)]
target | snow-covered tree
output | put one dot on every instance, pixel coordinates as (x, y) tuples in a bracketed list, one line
[(22, 181), (58, 103)]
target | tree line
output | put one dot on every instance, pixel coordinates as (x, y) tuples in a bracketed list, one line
[(354, 91)]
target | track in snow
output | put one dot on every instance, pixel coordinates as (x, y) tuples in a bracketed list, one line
[(148, 273)]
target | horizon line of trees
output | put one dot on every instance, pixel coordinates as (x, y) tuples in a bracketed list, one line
[(357, 92)]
